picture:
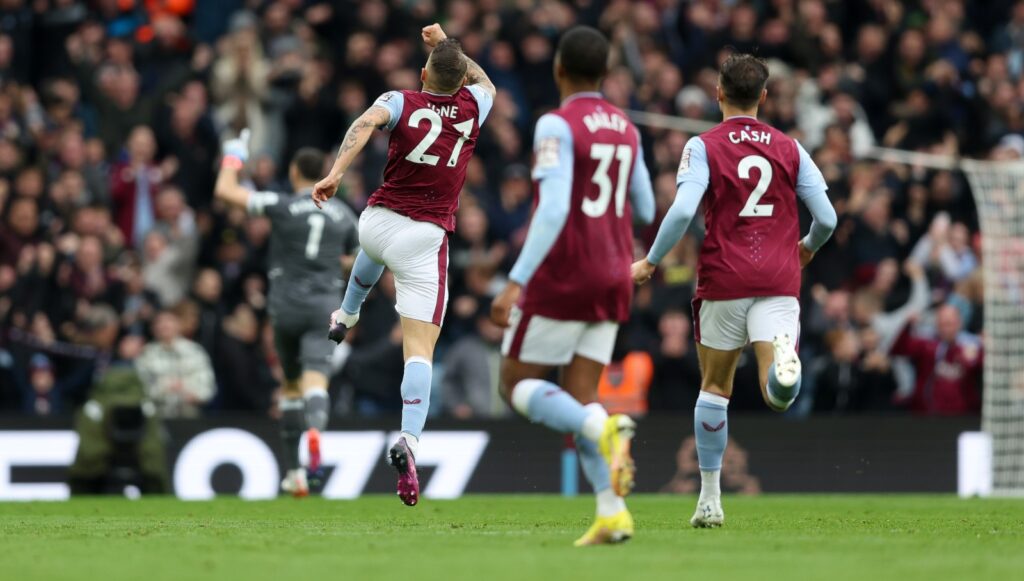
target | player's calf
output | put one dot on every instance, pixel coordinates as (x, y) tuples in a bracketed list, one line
[(545, 403), (711, 430), (365, 273), (293, 423)]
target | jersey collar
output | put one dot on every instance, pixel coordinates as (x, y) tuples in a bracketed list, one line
[(583, 95), (438, 94), (741, 117)]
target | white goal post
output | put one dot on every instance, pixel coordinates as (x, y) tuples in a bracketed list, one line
[(998, 189)]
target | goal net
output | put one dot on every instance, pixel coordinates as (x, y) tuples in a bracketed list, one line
[(998, 189)]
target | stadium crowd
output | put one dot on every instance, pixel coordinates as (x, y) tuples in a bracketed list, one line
[(113, 252)]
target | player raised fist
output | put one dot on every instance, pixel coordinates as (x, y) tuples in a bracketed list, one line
[(642, 271), (433, 34), (325, 189)]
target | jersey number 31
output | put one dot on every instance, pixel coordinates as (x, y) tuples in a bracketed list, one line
[(603, 153)]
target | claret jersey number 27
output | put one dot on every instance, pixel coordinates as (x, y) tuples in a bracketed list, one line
[(419, 153)]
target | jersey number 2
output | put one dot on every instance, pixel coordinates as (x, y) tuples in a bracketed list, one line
[(419, 153), (752, 209), (603, 153)]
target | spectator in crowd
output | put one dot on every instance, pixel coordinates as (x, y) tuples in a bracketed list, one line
[(244, 377), (676, 379), (948, 367), (946, 249), (134, 184), (624, 387), (42, 398), (470, 382), (175, 371), (167, 263), (855, 377)]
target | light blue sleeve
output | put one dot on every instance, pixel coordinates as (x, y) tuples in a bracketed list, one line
[(641, 192), (677, 220), (553, 149), (693, 165), (692, 180), (484, 101), (393, 101), (813, 191), (809, 181)]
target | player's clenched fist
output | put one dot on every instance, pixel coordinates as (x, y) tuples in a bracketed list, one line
[(501, 307), (433, 34), (324, 190), (642, 271)]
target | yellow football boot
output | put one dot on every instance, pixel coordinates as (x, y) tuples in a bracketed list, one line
[(614, 444), (608, 530)]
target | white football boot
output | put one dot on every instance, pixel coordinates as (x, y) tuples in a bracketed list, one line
[(709, 513), (787, 362), (295, 483)]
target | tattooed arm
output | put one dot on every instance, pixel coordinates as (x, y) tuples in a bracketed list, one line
[(475, 75), (355, 139)]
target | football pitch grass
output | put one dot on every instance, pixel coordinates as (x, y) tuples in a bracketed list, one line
[(512, 537)]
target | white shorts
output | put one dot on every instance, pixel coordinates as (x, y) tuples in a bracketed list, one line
[(728, 325), (416, 253), (544, 341)]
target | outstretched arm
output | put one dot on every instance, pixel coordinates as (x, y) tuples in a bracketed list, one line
[(236, 152), (353, 143)]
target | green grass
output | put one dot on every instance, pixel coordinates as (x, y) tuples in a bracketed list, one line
[(492, 538)]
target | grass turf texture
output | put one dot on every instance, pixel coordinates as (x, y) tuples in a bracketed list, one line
[(512, 537)]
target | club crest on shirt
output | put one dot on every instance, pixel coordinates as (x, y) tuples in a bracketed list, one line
[(547, 152)]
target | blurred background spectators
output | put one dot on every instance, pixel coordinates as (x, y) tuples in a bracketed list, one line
[(112, 249)]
